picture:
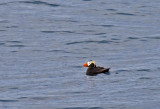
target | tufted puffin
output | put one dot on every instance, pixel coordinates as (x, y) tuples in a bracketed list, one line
[(93, 70)]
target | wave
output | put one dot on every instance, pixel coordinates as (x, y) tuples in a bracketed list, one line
[(89, 41), (40, 3)]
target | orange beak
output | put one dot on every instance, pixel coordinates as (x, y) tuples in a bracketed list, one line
[(85, 64)]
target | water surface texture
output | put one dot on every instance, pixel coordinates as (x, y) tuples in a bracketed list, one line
[(44, 43)]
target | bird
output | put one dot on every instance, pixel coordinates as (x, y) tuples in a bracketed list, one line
[(93, 70)]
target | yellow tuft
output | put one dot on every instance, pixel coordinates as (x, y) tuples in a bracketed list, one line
[(93, 62)]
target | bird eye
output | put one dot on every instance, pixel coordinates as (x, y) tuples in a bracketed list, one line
[(89, 63)]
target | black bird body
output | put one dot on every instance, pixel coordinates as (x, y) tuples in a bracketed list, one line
[(93, 70)]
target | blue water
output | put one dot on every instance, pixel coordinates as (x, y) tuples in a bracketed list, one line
[(44, 43)]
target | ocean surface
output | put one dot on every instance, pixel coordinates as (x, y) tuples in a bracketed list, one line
[(44, 43)]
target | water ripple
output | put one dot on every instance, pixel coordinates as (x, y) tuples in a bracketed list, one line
[(2, 30), (1, 100), (99, 42), (15, 41), (111, 9), (145, 78), (57, 32), (123, 71), (146, 70), (11, 43), (51, 73), (87, 0), (12, 27), (83, 108), (4, 21), (107, 25), (132, 38), (100, 34), (16, 46), (115, 39), (40, 3), (153, 37), (128, 14), (1, 43), (58, 51)]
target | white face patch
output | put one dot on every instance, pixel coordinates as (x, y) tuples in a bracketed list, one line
[(90, 62)]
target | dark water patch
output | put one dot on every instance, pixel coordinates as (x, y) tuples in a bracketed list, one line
[(100, 34), (4, 21), (3, 4), (7, 3), (39, 98), (1, 43), (155, 89), (105, 14), (80, 42), (111, 9), (37, 50), (152, 37), (123, 71), (67, 20), (22, 98), (128, 14), (143, 40), (55, 51), (67, 31), (107, 25), (89, 31), (104, 25), (34, 98), (143, 6), (1, 100), (115, 39), (2, 30), (59, 51), (108, 73), (16, 46), (104, 41), (126, 40), (11, 26), (14, 41), (157, 37), (87, 0), (76, 42), (82, 108), (74, 21), (132, 38), (145, 70), (76, 92), (40, 3), (49, 31), (117, 81), (13, 88), (142, 15), (13, 51), (115, 35), (145, 78), (57, 31)]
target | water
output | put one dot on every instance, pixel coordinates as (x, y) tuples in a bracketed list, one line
[(44, 43)]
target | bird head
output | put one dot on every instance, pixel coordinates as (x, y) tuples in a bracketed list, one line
[(87, 64)]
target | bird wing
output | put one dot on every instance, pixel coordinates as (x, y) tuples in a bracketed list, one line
[(100, 70)]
